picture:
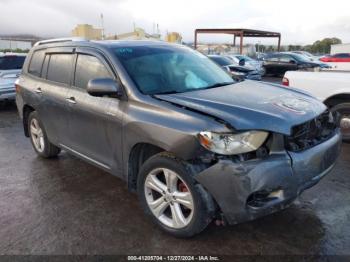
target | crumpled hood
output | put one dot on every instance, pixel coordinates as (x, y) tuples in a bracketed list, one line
[(252, 105)]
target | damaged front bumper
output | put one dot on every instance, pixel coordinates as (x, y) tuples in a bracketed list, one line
[(246, 190)]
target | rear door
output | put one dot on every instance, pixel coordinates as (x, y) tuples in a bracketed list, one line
[(57, 71), (94, 132)]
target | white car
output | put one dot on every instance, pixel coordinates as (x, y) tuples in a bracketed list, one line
[(10, 69), (333, 88)]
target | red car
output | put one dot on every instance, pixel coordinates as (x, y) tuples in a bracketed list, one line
[(341, 57)]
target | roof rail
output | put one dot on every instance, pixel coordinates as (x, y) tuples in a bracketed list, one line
[(61, 40)]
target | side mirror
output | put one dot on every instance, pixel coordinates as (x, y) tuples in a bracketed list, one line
[(103, 87), (241, 62), (292, 62)]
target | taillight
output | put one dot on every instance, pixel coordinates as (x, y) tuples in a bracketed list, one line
[(285, 81), (17, 86)]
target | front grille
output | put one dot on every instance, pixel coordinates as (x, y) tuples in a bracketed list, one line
[(312, 133)]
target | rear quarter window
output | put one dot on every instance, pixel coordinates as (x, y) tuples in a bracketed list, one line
[(36, 63)]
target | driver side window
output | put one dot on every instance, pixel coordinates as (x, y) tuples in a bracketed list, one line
[(89, 67)]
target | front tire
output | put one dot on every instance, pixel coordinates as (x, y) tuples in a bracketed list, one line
[(170, 195), (38, 137), (344, 111)]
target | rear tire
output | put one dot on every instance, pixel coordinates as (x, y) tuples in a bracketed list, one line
[(344, 111), (175, 189), (38, 137)]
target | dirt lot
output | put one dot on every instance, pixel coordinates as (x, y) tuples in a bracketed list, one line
[(65, 206)]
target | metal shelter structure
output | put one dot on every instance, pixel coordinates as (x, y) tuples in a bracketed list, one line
[(241, 33)]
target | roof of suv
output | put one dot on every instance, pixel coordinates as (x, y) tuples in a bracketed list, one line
[(105, 43)]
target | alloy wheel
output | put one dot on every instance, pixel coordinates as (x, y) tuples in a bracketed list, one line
[(169, 198), (37, 135)]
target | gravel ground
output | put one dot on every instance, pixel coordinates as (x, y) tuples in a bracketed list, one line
[(66, 206)]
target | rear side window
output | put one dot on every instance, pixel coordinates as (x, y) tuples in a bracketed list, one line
[(59, 68), (11, 62), (36, 63), (89, 67), (272, 58)]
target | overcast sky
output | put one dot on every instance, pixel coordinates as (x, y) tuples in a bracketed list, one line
[(299, 21)]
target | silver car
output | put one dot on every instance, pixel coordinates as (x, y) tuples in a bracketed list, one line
[(10, 69)]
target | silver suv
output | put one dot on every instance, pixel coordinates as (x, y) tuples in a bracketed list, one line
[(193, 143)]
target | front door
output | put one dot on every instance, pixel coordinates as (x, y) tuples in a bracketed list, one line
[(90, 119)]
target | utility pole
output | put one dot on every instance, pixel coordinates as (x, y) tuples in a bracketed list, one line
[(102, 26)]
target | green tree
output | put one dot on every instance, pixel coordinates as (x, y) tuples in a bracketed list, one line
[(324, 46)]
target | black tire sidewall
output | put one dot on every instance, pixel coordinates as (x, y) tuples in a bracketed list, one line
[(201, 216)]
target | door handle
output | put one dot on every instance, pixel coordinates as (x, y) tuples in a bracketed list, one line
[(71, 100), (38, 90)]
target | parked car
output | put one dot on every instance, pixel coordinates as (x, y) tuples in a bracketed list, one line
[(248, 62), (307, 55), (10, 68), (238, 72), (279, 63), (315, 60), (195, 144), (341, 57), (333, 88)]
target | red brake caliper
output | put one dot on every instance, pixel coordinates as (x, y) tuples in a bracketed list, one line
[(183, 187)]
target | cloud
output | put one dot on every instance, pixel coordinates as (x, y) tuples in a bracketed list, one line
[(299, 21)]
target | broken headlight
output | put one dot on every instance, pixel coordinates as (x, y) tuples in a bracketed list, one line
[(232, 144)]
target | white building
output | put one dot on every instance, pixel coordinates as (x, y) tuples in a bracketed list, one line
[(13, 44), (340, 48)]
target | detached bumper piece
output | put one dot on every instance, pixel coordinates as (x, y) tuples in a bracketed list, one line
[(246, 190)]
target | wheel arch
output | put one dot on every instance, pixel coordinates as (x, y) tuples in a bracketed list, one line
[(139, 153), (337, 99), (27, 109)]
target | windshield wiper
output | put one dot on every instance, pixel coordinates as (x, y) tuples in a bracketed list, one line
[(166, 92), (193, 89)]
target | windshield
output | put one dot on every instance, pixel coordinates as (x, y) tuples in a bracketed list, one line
[(300, 58), (160, 69), (246, 58), (307, 54), (221, 60)]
